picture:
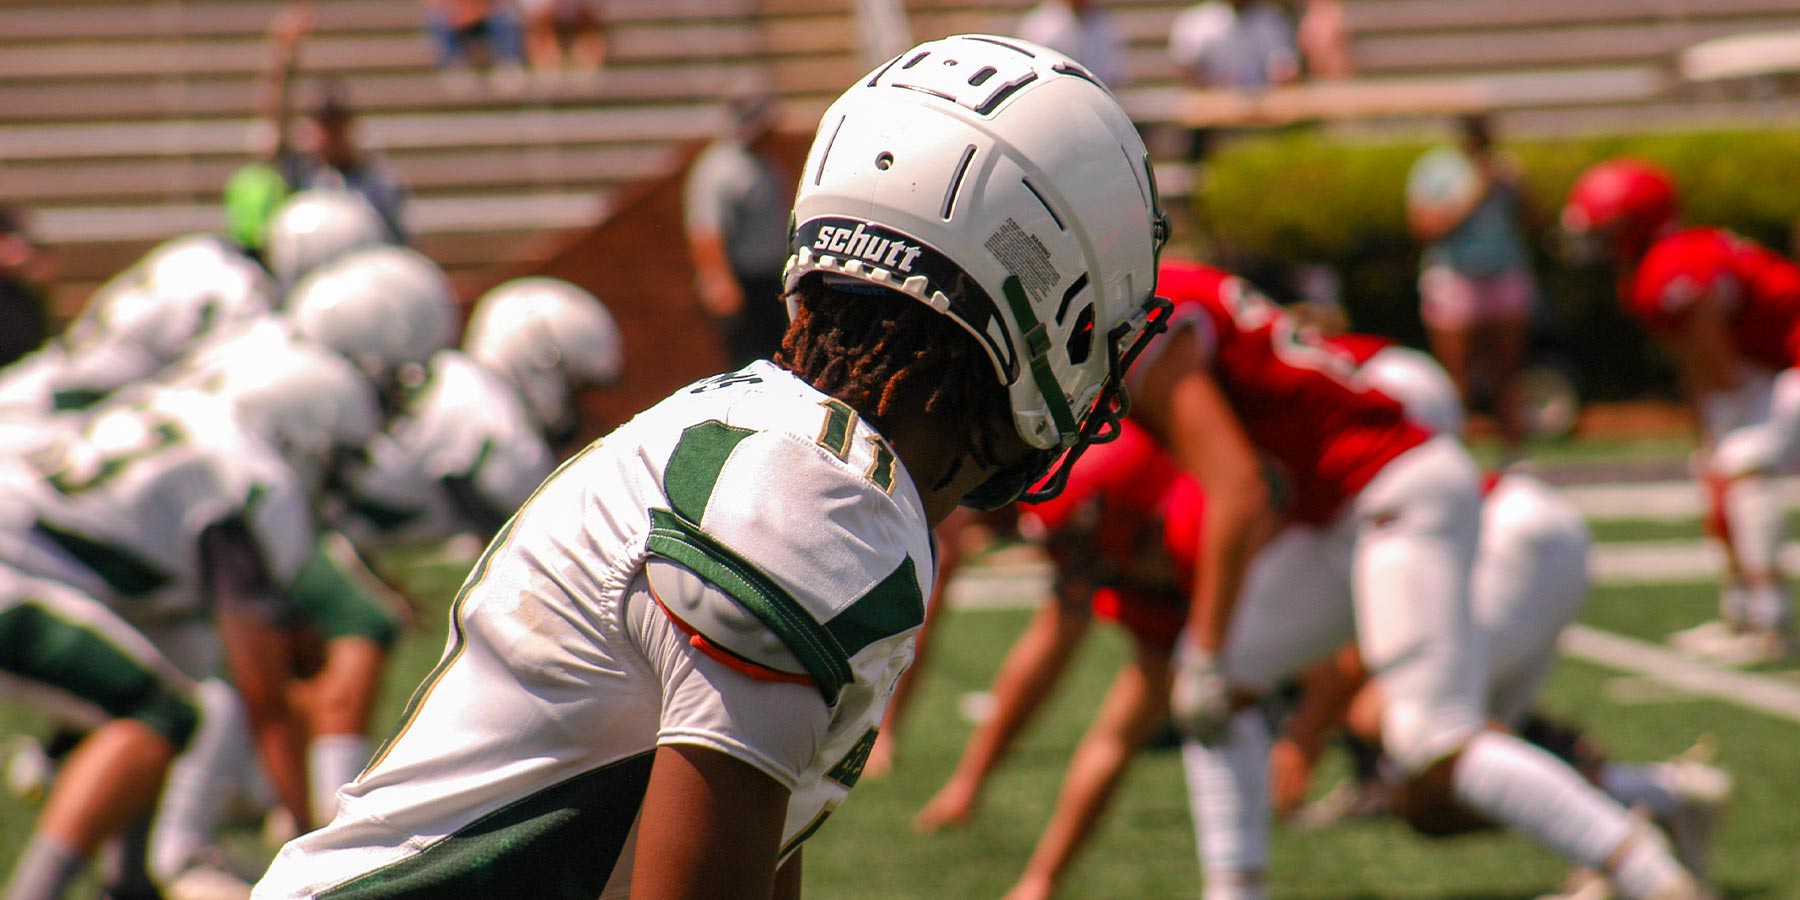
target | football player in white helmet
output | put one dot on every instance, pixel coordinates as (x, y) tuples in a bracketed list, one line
[(316, 226), (386, 309), (186, 513), (470, 444), (668, 667), (549, 338), (139, 323)]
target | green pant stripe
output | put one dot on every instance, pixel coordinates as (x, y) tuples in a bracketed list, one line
[(38, 645), (560, 843)]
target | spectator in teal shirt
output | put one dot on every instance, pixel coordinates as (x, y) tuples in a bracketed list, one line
[(1467, 205)]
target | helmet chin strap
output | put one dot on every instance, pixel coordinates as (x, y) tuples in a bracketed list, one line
[(1037, 345), (1041, 468)]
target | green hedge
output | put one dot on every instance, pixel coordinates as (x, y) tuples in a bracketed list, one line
[(1265, 203)]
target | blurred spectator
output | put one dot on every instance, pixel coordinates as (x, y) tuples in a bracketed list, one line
[(1081, 30), (561, 33), (24, 321), (471, 33), (1243, 44), (1325, 40), (1468, 206), (326, 152), (736, 204)]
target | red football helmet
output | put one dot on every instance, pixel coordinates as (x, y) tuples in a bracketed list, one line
[(1620, 205)]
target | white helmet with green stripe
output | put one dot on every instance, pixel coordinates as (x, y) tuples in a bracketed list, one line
[(999, 182)]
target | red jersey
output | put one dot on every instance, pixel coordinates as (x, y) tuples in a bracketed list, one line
[(1712, 265), (1299, 400), (1130, 519), (1360, 348)]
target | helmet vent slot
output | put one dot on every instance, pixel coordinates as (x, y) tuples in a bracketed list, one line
[(819, 174), (982, 75), (956, 180), (1081, 337), (1000, 96), (1064, 68), (1045, 203), (1062, 309), (876, 78), (917, 58)]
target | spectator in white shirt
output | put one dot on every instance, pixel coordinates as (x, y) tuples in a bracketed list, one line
[(1244, 44), (1081, 29)]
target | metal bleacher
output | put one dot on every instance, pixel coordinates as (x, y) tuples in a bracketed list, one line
[(121, 119)]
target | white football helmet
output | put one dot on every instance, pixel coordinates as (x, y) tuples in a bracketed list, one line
[(315, 226), (385, 308), (1422, 386), (999, 182), (181, 290), (307, 402), (546, 336)]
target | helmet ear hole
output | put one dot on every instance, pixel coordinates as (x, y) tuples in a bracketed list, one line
[(1081, 339)]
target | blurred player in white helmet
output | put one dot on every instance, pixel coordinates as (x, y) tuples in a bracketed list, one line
[(668, 667), (386, 309), (313, 227), (185, 513), (1380, 546), (469, 446), (548, 338), (139, 323)]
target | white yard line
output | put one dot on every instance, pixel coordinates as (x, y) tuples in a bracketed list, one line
[(1757, 692), (1650, 499)]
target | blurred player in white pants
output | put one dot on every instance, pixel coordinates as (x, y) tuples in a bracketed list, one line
[(1385, 527), (185, 513), (1728, 311), (1530, 580)]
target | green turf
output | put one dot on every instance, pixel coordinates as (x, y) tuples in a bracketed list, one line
[(1144, 850)]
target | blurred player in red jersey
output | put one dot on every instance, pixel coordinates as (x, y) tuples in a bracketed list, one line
[(1728, 312), (1122, 536), (1381, 541)]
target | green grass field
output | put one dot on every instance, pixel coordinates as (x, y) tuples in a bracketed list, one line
[(1144, 850)]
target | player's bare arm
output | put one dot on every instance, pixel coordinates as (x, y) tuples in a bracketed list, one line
[(711, 828)]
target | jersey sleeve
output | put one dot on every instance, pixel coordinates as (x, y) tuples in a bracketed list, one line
[(806, 536), (772, 725)]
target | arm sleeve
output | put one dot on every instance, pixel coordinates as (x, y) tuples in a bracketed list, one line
[(776, 727), (703, 197)]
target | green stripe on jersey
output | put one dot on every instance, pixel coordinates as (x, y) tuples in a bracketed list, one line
[(38, 645), (121, 569), (560, 843), (675, 538), (887, 609), (694, 467)]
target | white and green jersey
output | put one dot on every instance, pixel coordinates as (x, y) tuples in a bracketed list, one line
[(524, 755), (116, 508), (126, 336), (464, 422)]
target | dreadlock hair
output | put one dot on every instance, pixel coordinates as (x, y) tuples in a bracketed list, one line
[(881, 351)]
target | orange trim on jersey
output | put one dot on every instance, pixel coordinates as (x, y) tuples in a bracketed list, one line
[(727, 658)]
